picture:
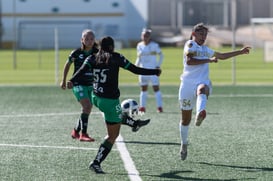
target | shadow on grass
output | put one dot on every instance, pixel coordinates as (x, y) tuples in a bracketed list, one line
[(248, 169), (173, 175), (176, 175)]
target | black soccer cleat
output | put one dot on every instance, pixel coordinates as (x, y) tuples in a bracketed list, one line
[(140, 123), (183, 151), (96, 168)]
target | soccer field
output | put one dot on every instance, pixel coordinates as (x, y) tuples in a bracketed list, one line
[(233, 143), (38, 67)]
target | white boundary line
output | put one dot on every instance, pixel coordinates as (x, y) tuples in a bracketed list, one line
[(121, 147), (166, 96), (47, 146), (127, 160), (129, 165), (213, 95), (44, 114), (241, 95)]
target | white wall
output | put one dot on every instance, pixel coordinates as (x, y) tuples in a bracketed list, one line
[(36, 20), (136, 18)]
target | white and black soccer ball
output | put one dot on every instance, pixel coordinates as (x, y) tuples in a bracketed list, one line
[(129, 107)]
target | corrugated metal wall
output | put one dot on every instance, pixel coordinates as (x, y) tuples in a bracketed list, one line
[(213, 12)]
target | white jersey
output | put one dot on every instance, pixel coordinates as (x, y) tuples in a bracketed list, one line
[(148, 55), (196, 73)]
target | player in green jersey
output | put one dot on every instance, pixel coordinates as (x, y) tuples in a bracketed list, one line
[(105, 67), (83, 87)]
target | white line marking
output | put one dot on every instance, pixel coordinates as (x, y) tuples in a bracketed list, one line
[(127, 160), (44, 114), (213, 95), (49, 147), (242, 95), (121, 147)]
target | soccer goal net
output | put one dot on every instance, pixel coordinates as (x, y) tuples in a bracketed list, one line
[(40, 34)]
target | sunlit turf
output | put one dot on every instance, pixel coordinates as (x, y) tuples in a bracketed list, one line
[(38, 67), (233, 143)]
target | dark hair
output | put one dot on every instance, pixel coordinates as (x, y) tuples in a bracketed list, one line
[(107, 44), (199, 27), (106, 50)]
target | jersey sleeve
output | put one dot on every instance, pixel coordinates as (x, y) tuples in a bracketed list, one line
[(160, 55), (72, 56), (158, 49), (122, 61), (138, 60), (190, 48), (138, 49)]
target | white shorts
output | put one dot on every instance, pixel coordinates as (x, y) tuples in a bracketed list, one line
[(187, 93), (146, 79)]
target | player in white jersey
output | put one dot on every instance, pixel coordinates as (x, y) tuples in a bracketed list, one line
[(195, 85), (149, 55)]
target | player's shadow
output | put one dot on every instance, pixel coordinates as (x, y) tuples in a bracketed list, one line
[(246, 168), (177, 174), (173, 175)]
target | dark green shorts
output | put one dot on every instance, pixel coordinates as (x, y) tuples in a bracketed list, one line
[(110, 107), (82, 92)]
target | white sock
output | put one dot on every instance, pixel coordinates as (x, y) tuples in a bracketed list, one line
[(201, 103), (158, 99), (143, 98), (184, 131)]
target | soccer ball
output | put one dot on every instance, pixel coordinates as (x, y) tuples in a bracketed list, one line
[(129, 107)]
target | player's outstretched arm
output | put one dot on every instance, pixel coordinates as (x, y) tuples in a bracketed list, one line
[(223, 56), (144, 71), (195, 61)]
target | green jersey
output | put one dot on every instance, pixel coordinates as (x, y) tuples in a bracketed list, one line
[(106, 75), (77, 57)]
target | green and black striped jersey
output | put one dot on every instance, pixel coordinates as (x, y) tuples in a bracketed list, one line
[(106, 75), (77, 57)]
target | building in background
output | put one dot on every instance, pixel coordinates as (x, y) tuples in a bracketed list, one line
[(36, 24), (170, 18)]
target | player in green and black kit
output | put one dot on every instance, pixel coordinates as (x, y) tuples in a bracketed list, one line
[(83, 87), (105, 67)]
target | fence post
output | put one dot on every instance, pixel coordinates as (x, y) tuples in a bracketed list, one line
[(56, 45)]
